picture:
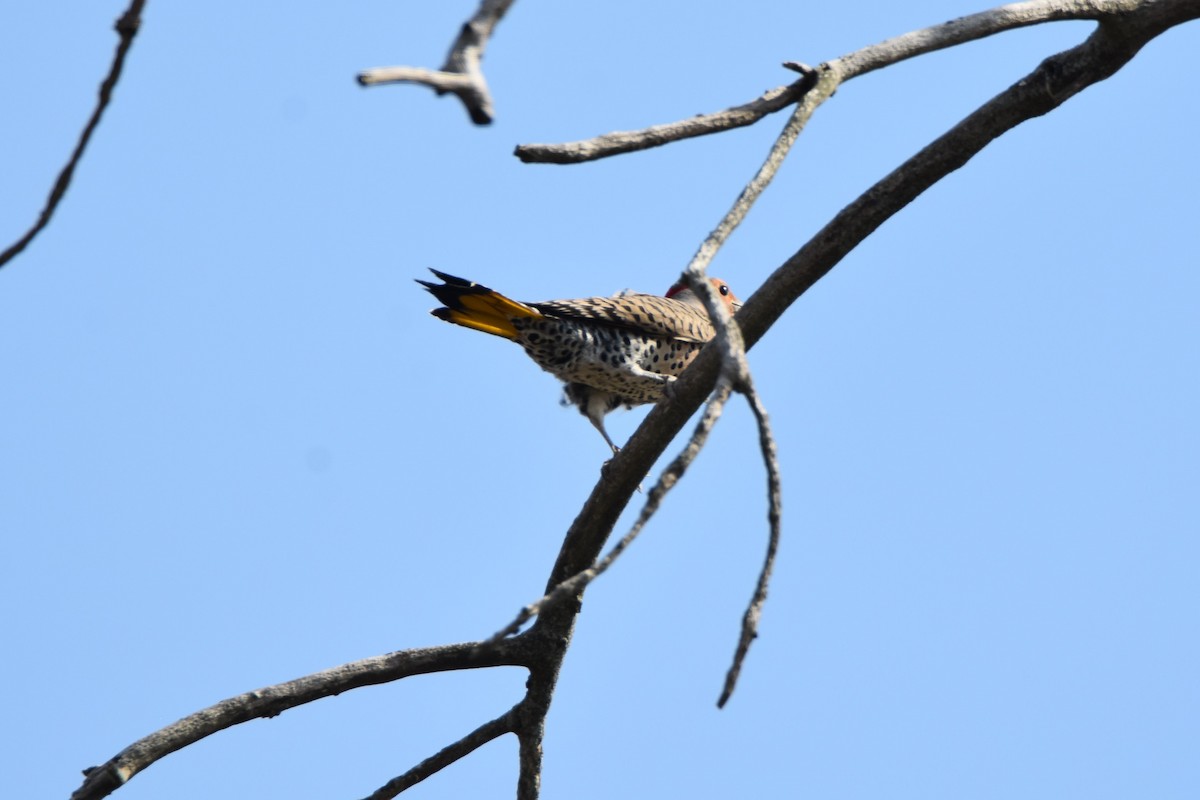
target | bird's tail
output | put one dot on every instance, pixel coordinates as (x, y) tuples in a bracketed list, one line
[(473, 306)]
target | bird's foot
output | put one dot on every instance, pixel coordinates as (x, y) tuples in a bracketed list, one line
[(668, 387), (607, 464)]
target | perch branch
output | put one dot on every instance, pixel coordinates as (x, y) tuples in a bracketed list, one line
[(127, 26), (462, 72)]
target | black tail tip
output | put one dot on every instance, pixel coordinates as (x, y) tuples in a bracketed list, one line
[(450, 280)]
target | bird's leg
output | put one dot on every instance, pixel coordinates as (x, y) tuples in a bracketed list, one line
[(668, 387), (598, 423), (593, 405), (638, 372), (666, 382)]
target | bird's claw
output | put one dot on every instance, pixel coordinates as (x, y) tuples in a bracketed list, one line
[(608, 464)]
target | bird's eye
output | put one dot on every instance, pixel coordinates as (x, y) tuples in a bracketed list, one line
[(724, 289)]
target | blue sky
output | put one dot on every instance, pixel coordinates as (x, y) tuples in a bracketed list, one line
[(235, 449)]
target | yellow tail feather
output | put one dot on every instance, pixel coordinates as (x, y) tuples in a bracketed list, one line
[(477, 307), (493, 325)]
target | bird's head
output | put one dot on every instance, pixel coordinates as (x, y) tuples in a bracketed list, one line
[(681, 292)]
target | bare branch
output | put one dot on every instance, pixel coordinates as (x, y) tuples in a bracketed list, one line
[(505, 723), (822, 90), (750, 619), (860, 62), (968, 29), (529, 778), (735, 369), (274, 700), (611, 144), (127, 26), (462, 72)]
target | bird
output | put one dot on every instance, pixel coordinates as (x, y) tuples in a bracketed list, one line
[(611, 352)]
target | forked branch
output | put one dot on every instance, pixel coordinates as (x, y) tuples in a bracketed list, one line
[(462, 72)]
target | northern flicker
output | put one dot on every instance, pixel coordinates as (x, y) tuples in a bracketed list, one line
[(611, 351)]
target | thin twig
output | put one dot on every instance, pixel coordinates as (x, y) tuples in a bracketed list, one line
[(505, 723), (618, 142), (735, 369), (127, 26), (822, 89), (462, 72), (770, 454)]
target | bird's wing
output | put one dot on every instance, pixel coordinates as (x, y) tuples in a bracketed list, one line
[(646, 313)]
